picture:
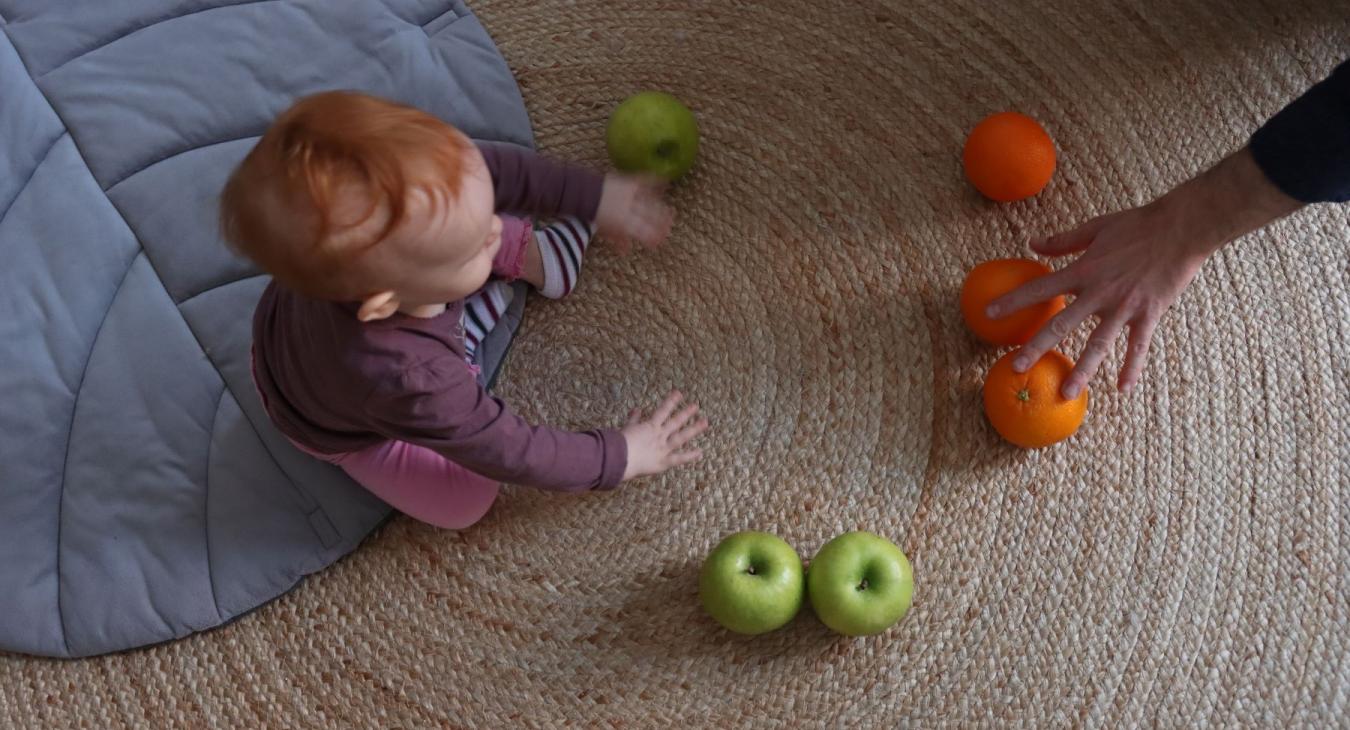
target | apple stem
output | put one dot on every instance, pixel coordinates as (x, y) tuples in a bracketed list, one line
[(750, 570), (863, 586)]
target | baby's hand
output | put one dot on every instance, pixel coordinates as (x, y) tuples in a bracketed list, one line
[(657, 444), (632, 209)]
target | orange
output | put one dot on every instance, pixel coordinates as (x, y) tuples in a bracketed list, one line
[(991, 280), (1009, 157), (1027, 408)]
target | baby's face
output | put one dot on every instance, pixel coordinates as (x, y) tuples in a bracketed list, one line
[(443, 251)]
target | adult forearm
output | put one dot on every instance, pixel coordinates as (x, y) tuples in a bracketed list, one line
[(1231, 199)]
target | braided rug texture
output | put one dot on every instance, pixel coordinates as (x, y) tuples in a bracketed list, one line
[(1183, 561)]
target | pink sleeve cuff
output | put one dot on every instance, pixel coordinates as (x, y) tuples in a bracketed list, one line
[(509, 263)]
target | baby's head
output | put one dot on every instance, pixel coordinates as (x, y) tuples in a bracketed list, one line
[(356, 199)]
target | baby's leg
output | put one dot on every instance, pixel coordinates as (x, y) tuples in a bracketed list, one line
[(550, 259), (482, 310), (421, 483), (559, 249)]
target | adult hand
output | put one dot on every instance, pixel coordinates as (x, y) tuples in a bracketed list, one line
[(1136, 263)]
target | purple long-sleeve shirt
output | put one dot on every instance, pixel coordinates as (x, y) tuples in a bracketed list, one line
[(334, 384)]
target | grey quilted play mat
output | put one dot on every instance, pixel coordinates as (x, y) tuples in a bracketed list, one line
[(143, 493)]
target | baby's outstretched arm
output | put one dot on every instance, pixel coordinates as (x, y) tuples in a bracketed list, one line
[(529, 184), (626, 209), (438, 404)]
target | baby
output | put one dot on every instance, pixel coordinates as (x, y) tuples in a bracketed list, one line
[(385, 234)]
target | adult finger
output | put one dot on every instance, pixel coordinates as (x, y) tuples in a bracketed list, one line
[(1053, 333), (1040, 289), (1094, 352), (1141, 338), (1070, 241)]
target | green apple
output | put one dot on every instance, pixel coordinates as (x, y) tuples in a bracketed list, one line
[(654, 133), (860, 584), (752, 582)]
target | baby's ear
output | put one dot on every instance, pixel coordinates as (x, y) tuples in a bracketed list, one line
[(378, 306)]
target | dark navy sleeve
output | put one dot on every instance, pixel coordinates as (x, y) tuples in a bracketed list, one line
[(1305, 149)]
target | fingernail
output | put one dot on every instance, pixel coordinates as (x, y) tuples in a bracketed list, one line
[(992, 311), (1071, 391), (1021, 363)]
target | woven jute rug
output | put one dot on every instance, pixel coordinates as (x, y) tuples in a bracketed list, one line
[(1183, 561)]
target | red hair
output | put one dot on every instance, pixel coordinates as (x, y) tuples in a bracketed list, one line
[(277, 208)]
